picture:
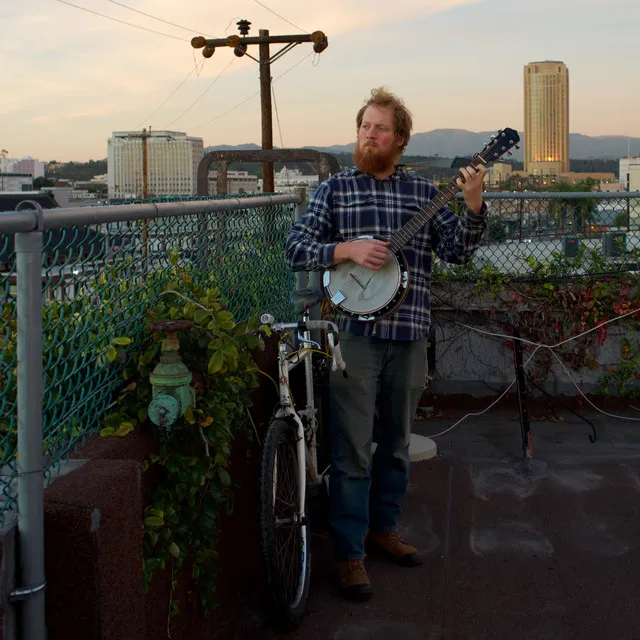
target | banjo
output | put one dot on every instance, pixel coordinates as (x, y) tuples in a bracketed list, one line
[(368, 295)]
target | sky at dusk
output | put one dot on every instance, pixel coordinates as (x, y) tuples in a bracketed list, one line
[(70, 78)]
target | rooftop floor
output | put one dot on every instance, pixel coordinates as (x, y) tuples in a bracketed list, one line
[(541, 549)]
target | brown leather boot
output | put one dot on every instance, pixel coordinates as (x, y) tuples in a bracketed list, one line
[(353, 580), (394, 548)]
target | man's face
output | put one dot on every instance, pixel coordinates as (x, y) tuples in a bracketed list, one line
[(378, 145)]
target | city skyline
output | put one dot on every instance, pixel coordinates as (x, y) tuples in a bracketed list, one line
[(458, 64)]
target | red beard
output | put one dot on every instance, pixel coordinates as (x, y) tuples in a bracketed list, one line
[(371, 160)]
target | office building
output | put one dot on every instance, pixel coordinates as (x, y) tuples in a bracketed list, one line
[(630, 173), (546, 118), (153, 163)]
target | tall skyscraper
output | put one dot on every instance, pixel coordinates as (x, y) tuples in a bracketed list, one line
[(546, 118), (170, 158)]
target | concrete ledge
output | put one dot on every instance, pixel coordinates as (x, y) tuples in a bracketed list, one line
[(93, 553)]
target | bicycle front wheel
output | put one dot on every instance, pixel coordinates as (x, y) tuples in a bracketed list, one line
[(284, 535)]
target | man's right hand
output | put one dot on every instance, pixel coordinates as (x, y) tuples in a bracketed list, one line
[(370, 253)]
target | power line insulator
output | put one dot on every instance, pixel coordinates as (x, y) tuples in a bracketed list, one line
[(208, 51), (198, 42), (319, 47), (240, 50), (243, 27)]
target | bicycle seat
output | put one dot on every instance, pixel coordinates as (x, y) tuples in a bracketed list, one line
[(303, 299)]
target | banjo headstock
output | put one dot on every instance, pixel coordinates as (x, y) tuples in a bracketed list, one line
[(499, 145)]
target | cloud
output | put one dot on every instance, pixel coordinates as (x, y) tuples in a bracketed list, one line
[(75, 115), (336, 17), (65, 60)]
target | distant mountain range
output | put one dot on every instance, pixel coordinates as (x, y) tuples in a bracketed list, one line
[(448, 143)]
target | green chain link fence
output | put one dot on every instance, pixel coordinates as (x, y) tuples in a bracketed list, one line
[(98, 282)]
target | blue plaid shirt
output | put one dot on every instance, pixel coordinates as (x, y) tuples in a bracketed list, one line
[(352, 203)]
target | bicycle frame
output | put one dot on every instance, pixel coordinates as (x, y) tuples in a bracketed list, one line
[(280, 430), (307, 457)]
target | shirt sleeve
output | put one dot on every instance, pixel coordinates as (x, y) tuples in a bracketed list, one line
[(456, 238), (311, 242)]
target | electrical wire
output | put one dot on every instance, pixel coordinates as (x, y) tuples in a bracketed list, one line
[(148, 15), (202, 94), (292, 67), (173, 93), (275, 106), (537, 347), (253, 95), (230, 22), (294, 353), (264, 6), (566, 406), (196, 69), (275, 384), (129, 24), (549, 346), (253, 424)]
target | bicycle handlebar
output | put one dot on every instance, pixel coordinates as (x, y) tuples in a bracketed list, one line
[(301, 325), (330, 327), (336, 352)]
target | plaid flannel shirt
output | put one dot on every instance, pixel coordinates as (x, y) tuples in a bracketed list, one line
[(352, 203)]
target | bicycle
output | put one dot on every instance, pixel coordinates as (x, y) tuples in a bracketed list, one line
[(289, 465)]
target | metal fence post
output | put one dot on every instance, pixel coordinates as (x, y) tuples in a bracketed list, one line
[(301, 207), (31, 576)]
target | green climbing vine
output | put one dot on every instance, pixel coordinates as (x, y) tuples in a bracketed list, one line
[(561, 297), (182, 518)]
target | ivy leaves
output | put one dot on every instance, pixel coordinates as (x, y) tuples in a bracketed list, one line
[(182, 519)]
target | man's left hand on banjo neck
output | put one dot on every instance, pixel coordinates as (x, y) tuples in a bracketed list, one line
[(470, 182)]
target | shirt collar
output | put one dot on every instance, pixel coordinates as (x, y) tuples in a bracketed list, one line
[(399, 173)]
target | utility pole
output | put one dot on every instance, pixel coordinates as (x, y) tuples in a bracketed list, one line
[(240, 46), (268, 185), (145, 164), (3, 155), (144, 136), (145, 161)]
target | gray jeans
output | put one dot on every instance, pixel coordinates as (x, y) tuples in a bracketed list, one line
[(366, 491)]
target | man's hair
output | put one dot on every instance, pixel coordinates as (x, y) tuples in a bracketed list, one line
[(402, 120)]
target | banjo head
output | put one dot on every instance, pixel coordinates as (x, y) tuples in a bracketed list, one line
[(364, 294)]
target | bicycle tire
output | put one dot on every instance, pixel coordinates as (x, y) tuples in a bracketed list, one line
[(288, 575)]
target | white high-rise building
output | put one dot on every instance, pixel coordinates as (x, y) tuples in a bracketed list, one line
[(630, 173), (170, 158)]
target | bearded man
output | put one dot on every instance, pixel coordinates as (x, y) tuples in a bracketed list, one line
[(386, 359)]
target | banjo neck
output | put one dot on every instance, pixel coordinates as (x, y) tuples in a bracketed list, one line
[(401, 237)]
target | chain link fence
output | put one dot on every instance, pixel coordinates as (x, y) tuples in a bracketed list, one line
[(556, 234), (99, 280), (98, 283)]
